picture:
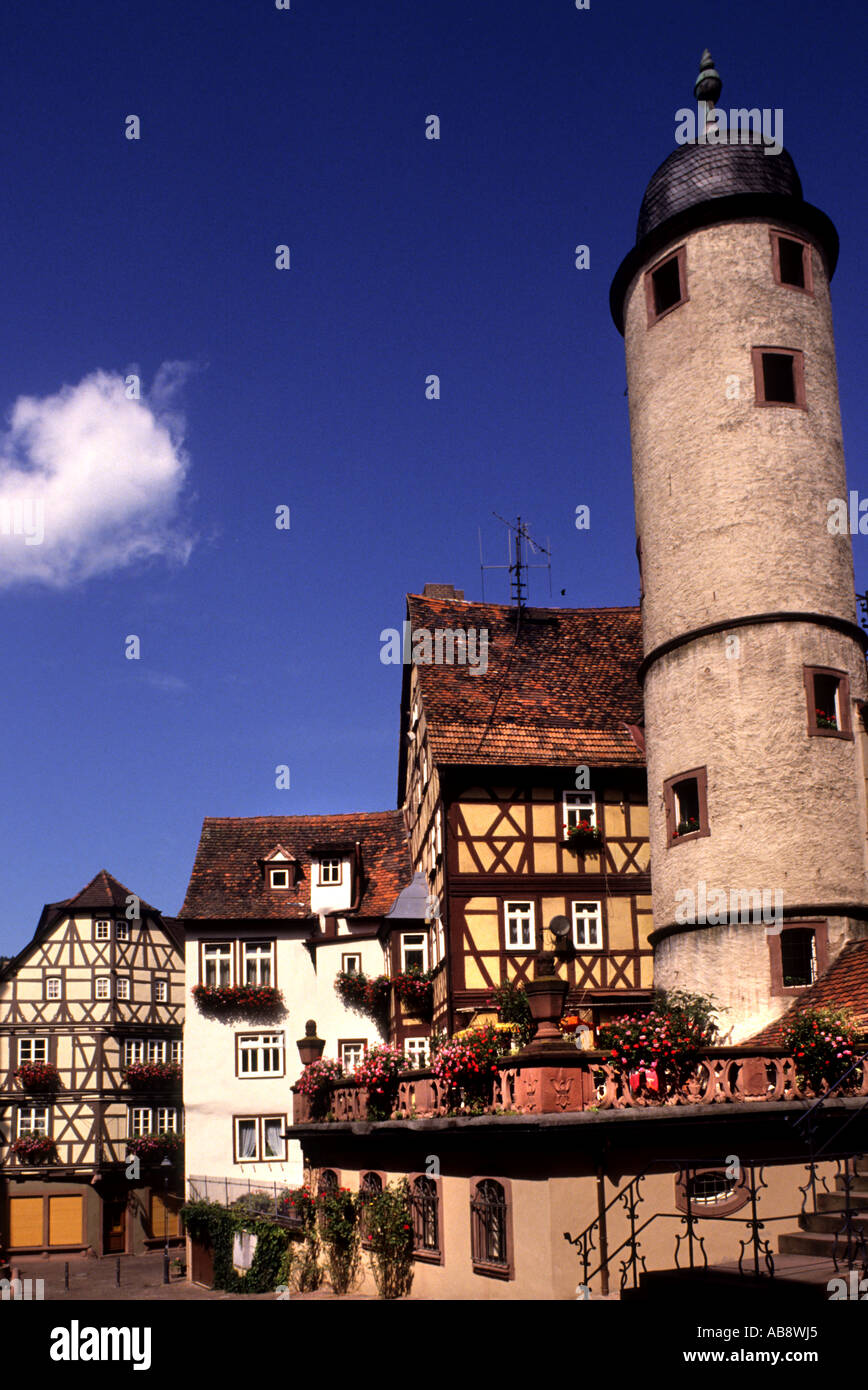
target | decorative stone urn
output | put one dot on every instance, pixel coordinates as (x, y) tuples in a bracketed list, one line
[(546, 994), (310, 1047)]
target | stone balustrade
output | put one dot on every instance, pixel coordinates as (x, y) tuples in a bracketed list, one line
[(570, 1082)]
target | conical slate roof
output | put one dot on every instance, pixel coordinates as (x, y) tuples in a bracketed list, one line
[(695, 174)]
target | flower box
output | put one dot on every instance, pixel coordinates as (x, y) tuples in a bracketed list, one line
[(583, 838), (145, 1076), (824, 720), (153, 1148), (37, 1076), (228, 999), (34, 1148), (686, 827)]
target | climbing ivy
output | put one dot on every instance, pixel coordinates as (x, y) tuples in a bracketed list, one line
[(211, 1224)]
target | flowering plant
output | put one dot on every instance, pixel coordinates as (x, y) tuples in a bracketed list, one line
[(822, 1043), (34, 1147), (512, 1006), (469, 1064), (686, 827), (583, 835), (379, 1072), (415, 989), (366, 994), (664, 1044), (298, 1204), (37, 1076), (315, 1082), (231, 998), (142, 1075), (153, 1148), (824, 720)]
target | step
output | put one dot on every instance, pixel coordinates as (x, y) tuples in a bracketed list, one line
[(820, 1244), (832, 1221), (859, 1184), (836, 1201)]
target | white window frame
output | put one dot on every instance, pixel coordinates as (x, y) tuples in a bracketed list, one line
[(38, 1121), (214, 955), (122, 931), (517, 914), (583, 920), (34, 1045), (579, 806), (246, 1120), (167, 1119), (352, 1055), (52, 987), (266, 1050), (134, 1051), (176, 1051), (257, 954), (275, 869), (417, 1051), (357, 957), (123, 987), (331, 871), (156, 1051), (161, 991), (280, 1156), (103, 987), (141, 1121), (419, 939), (102, 930)]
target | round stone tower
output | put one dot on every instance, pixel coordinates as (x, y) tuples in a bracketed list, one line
[(754, 669)]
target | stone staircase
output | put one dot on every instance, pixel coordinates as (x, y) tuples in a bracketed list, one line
[(819, 1230)]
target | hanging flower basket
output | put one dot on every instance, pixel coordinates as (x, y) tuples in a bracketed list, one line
[(415, 989), (583, 838), (145, 1076), (37, 1076), (228, 999), (153, 1148), (34, 1147)]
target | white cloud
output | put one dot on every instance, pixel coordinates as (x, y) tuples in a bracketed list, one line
[(90, 481)]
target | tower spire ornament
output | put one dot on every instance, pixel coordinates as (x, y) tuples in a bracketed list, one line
[(708, 84)]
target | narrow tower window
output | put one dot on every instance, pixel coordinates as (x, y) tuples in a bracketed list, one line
[(684, 798), (828, 694), (666, 285), (779, 377), (798, 955), (791, 260)]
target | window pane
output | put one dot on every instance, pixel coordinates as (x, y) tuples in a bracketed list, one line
[(667, 286), (273, 1141), (792, 262), (779, 383)]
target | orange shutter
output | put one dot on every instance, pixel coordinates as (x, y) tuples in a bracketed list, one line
[(64, 1220), (25, 1222), (161, 1216)]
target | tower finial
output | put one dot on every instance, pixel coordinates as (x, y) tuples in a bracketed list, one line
[(708, 84)]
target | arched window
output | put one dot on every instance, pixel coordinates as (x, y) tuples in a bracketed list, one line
[(371, 1186), (426, 1222), (488, 1225), (328, 1181)]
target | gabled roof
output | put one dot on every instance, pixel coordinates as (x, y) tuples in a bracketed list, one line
[(843, 986), (560, 686), (227, 882)]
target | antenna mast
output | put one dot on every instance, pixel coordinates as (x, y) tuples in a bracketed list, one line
[(519, 566)]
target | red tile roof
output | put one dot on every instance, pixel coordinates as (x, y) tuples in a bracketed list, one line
[(227, 881), (102, 891), (843, 986), (561, 691)]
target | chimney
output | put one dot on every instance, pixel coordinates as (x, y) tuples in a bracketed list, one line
[(442, 591)]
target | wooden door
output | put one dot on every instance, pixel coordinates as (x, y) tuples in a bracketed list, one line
[(25, 1222), (114, 1211), (65, 1220), (202, 1260)]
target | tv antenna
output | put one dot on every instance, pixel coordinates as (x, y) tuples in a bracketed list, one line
[(519, 566)]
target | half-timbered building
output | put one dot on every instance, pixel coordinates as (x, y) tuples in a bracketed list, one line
[(91, 1021), (283, 904), (499, 761)]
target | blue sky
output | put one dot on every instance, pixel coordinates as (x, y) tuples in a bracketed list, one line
[(305, 387)]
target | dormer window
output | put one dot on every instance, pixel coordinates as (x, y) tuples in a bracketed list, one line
[(278, 878), (330, 871), (279, 869)]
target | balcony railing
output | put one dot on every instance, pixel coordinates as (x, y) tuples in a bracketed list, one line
[(589, 1082)]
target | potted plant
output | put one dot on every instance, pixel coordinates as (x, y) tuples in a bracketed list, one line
[(316, 1083), (824, 720), (379, 1073), (688, 826), (142, 1076)]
